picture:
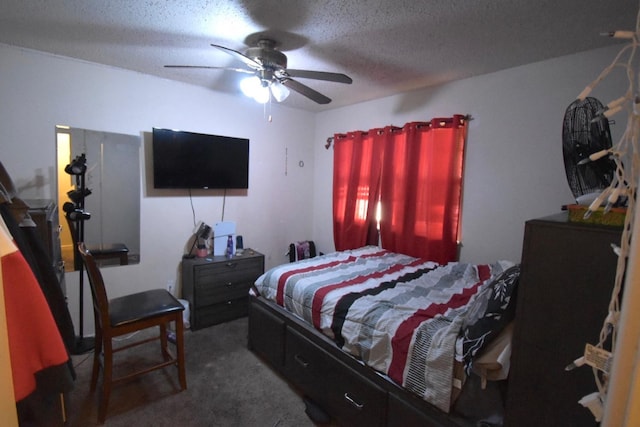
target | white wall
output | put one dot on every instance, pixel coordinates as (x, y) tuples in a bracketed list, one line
[(39, 91), (514, 169)]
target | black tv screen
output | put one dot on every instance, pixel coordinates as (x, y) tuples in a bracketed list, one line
[(194, 160)]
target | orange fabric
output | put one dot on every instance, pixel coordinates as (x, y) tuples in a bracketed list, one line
[(34, 340)]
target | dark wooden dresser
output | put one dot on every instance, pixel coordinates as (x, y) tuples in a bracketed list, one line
[(217, 287), (568, 272)]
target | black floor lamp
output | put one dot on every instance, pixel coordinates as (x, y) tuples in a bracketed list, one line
[(76, 216)]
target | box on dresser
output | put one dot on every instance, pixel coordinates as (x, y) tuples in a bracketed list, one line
[(217, 287)]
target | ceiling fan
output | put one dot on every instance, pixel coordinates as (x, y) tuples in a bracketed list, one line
[(271, 75)]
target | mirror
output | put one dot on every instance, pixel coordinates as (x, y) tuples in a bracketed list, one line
[(112, 198)]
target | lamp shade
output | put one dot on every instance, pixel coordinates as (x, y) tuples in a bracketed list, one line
[(261, 90), (250, 85), (261, 95), (253, 88), (77, 194), (78, 166), (280, 92)]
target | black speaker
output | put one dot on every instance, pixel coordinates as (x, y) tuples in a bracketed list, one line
[(239, 244)]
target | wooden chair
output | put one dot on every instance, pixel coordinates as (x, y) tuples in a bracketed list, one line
[(125, 315)]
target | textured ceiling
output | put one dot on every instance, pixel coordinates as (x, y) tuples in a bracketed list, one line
[(386, 46)]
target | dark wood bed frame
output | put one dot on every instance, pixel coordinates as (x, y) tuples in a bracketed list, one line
[(351, 393)]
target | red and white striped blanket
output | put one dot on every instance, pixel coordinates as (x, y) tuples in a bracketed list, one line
[(398, 314)]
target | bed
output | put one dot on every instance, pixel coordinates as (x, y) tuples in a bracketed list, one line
[(375, 337)]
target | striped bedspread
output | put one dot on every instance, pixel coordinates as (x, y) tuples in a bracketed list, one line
[(398, 314)]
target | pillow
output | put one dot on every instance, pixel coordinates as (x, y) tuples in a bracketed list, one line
[(491, 312)]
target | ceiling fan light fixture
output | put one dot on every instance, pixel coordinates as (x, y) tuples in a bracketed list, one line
[(262, 95), (280, 92), (250, 85), (268, 67), (253, 87)]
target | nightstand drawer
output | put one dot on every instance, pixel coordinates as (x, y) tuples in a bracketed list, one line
[(237, 269), (222, 312), (213, 293)]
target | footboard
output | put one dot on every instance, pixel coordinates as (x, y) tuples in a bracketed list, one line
[(353, 394)]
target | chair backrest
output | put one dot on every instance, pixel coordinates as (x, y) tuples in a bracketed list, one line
[(302, 250), (98, 291)]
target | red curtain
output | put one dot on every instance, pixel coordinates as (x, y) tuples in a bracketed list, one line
[(415, 172), (421, 188), (356, 183)]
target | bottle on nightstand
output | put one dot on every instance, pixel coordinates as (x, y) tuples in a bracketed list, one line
[(229, 252)]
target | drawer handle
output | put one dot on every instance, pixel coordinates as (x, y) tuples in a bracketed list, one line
[(301, 360), (231, 264), (353, 402), (228, 284)]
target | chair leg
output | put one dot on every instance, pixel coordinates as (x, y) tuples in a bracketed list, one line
[(163, 342), (180, 351), (107, 377)]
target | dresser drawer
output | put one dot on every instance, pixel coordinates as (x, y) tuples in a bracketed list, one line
[(233, 269), (266, 335), (304, 364), (402, 413), (213, 293), (222, 312), (351, 398)]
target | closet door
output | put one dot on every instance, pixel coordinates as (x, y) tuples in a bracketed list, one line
[(568, 272)]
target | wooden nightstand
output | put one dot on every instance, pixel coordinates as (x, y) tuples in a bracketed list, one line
[(217, 287)]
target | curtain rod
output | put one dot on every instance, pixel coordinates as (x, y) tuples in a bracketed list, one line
[(329, 141)]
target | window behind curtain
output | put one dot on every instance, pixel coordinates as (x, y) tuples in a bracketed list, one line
[(356, 188), (415, 173)]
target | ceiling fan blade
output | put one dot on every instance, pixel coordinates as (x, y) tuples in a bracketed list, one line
[(306, 91), (320, 75), (206, 67), (241, 56)]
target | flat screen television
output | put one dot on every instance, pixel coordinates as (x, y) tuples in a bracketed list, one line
[(194, 160)]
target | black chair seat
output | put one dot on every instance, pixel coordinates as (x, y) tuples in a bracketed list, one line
[(142, 305)]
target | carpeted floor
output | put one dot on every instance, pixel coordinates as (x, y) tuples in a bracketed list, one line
[(227, 385)]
